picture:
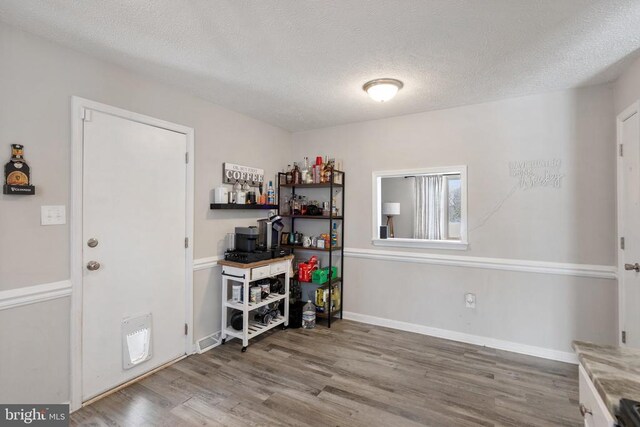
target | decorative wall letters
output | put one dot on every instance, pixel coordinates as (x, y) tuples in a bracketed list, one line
[(537, 173)]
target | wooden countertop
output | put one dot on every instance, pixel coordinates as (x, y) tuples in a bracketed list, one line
[(254, 264)]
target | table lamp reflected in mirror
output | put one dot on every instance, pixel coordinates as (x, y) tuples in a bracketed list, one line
[(390, 210)]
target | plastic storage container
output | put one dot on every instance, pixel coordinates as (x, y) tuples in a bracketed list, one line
[(309, 315)]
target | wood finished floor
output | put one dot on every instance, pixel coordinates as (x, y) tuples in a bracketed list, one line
[(351, 375)]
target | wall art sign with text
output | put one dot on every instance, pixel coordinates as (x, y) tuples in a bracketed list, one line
[(537, 173), (17, 175), (232, 173)]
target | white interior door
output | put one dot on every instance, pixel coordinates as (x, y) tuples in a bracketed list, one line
[(629, 225), (134, 206)]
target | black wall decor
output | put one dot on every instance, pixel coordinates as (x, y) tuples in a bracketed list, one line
[(17, 174)]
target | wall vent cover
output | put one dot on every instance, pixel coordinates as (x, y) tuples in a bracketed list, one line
[(208, 342)]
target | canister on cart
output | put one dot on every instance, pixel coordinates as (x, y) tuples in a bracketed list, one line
[(236, 295), (256, 294)]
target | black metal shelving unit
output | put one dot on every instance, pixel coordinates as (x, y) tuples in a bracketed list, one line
[(335, 250)]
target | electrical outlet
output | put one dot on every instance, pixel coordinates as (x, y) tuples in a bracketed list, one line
[(470, 300)]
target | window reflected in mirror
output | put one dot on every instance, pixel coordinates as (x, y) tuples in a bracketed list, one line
[(425, 207)]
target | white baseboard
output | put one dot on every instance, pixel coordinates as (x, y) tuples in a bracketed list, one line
[(545, 353), (33, 294)]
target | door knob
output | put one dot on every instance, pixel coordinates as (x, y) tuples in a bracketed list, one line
[(94, 265), (635, 267)]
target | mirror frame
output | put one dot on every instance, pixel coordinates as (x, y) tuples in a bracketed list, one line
[(376, 210)]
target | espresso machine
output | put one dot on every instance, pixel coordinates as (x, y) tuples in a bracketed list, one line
[(269, 232), (258, 243)]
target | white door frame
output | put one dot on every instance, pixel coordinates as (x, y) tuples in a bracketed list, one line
[(78, 106), (628, 112)]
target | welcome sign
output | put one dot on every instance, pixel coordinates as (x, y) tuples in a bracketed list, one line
[(232, 173)]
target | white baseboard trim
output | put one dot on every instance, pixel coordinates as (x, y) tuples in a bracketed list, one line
[(13, 298), (521, 265), (545, 353), (205, 263)]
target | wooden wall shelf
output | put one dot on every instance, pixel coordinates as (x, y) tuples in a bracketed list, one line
[(237, 206)]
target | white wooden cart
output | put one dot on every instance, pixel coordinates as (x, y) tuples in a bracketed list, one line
[(246, 274)]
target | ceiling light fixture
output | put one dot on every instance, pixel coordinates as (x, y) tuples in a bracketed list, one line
[(382, 90)]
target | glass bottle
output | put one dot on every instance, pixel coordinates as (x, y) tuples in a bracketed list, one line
[(286, 206), (305, 171), (271, 194), (296, 174), (289, 175), (16, 171), (245, 190), (327, 170), (334, 235)]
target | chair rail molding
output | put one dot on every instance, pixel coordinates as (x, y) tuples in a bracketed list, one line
[(18, 297), (206, 263), (521, 265)]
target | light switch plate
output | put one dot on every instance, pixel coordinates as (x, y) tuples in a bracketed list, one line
[(53, 215)]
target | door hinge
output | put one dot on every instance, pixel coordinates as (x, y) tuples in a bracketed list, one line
[(186, 242), (186, 329), (621, 151), (622, 243), (86, 115), (624, 337), (186, 157)]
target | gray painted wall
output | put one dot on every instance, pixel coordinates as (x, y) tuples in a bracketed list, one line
[(627, 87), (37, 79), (573, 224)]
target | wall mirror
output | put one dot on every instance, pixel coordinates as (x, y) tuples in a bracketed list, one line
[(424, 208)]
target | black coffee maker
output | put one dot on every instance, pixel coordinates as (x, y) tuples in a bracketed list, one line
[(269, 232)]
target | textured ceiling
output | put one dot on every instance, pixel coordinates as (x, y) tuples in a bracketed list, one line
[(300, 64)]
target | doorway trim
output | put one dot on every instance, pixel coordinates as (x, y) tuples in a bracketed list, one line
[(620, 119), (78, 107)]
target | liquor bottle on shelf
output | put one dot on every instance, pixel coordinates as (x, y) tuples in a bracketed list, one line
[(305, 173), (296, 174), (286, 206), (327, 170), (334, 235), (319, 169), (271, 194), (296, 205), (289, 176), (16, 171)]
